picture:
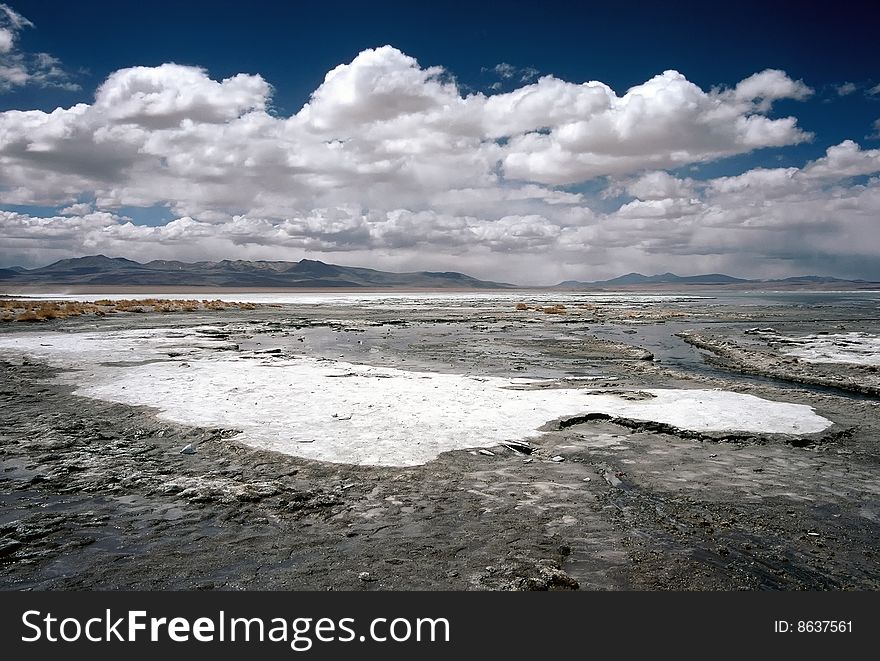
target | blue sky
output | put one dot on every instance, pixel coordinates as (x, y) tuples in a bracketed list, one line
[(486, 50)]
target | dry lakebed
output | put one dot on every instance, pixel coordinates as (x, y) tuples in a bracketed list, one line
[(501, 441)]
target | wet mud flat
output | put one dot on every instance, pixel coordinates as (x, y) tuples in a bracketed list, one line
[(97, 495)]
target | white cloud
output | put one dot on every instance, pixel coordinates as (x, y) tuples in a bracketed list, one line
[(390, 165), (380, 130), (771, 85), (764, 222), (762, 180), (666, 122), (528, 74), (508, 71), (7, 38), (163, 96), (845, 89), (13, 19), (660, 185), (505, 70), (79, 209), (18, 68), (380, 85), (844, 160), (767, 222)]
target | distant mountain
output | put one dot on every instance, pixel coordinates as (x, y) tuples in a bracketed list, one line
[(100, 270), (637, 279), (663, 279), (110, 271), (814, 279)]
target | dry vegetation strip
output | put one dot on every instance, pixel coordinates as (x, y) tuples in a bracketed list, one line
[(603, 312), (559, 308), (25, 310)]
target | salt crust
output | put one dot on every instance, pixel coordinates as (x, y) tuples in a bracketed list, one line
[(347, 413)]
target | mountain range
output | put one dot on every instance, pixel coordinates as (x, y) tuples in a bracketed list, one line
[(708, 279), (117, 271), (107, 272)]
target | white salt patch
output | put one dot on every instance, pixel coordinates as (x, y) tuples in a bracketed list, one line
[(114, 347), (398, 417), (712, 410), (856, 348)]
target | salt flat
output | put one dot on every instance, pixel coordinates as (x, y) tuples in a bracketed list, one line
[(357, 434), (337, 411)]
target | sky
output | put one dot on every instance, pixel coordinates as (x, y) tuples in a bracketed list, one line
[(513, 141)]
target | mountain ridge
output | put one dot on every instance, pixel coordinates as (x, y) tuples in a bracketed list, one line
[(102, 270), (638, 279)]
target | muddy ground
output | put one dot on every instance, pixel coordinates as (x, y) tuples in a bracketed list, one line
[(97, 495)]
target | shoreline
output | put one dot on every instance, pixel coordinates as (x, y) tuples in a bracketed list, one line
[(7, 290)]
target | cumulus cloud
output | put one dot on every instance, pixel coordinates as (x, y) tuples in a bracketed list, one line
[(771, 85), (163, 96), (766, 221), (79, 209), (659, 186), (844, 160), (763, 222), (564, 133), (19, 68), (845, 89), (390, 165)]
